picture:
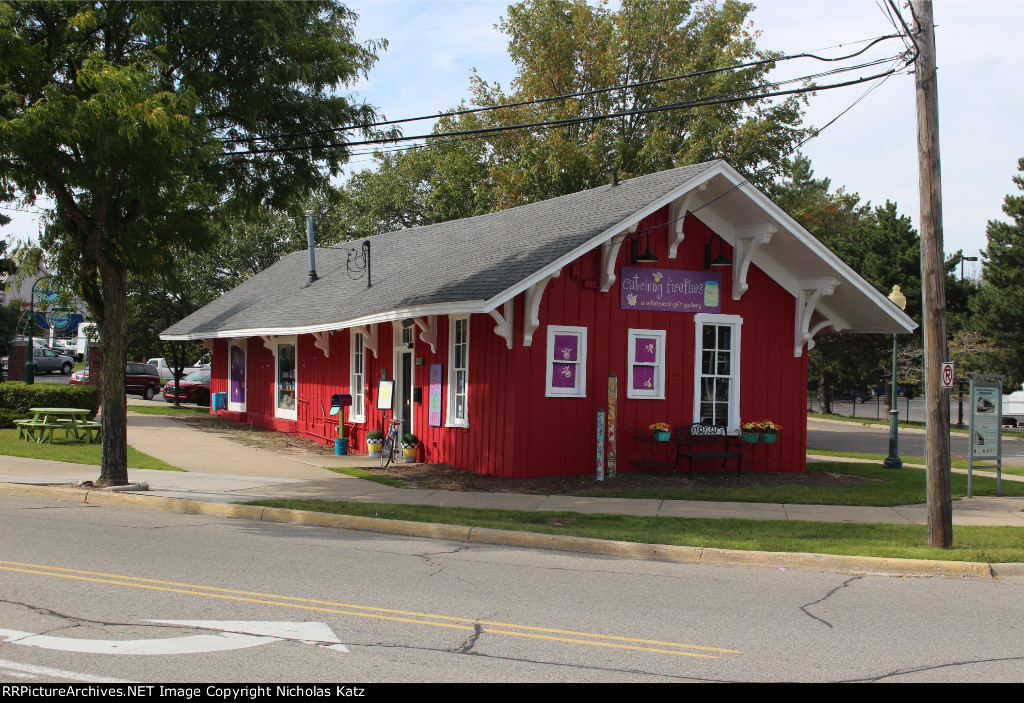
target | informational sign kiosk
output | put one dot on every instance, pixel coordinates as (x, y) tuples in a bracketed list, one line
[(985, 448)]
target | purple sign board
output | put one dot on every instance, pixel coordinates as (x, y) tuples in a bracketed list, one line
[(670, 290), (434, 407), (236, 381)]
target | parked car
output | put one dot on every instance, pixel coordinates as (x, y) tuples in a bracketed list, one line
[(901, 391), (857, 395), (167, 373), (139, 379), (49, 361), (194, 388)]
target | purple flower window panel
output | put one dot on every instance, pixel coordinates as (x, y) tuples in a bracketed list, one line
[(563, 375), (643, 378), (237, 384), (566, 347), (646, 351)]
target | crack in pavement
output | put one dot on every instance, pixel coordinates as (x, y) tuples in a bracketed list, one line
[(541, 662), (932, 667), (438, 568), (467, 646), (825, 597)]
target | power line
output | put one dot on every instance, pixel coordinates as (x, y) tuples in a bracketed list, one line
[(566, 96), (575, 120)]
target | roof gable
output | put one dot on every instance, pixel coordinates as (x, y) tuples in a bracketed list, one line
[(477, 264)]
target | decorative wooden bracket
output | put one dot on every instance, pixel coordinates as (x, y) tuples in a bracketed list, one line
[(369, 333), (322, 341), (748, 239), (808, 296), (268, 341), (208, 343), (531, 320), (609, 255), (677, 214), (504, 327), (428, 331)]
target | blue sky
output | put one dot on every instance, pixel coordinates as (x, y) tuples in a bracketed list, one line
[(435, 45), (872, 150)]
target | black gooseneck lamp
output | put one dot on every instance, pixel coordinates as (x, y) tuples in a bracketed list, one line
[(721, 259)]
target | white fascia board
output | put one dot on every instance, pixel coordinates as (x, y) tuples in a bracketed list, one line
[(467, 307), (840, 267), (619, 228)]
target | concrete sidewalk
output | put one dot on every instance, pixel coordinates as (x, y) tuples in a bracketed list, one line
[(223, 471)]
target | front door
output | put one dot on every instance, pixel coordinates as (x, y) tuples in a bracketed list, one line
[(404, 375)]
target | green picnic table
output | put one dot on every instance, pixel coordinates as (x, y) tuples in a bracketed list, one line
[(45, 420)]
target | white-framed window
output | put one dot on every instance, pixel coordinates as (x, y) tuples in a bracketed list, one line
[(285, 378), (716, 393), (458, 371), (566, 368), (646, 364), (237, 367), (357, 378)]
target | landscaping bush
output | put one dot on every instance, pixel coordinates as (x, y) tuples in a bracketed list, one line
[(16, 398)]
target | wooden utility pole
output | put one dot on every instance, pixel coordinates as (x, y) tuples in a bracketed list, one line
[(933, 280)]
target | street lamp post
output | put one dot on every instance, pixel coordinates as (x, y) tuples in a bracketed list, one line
[(962, 260), (893, 461), (30, 361)]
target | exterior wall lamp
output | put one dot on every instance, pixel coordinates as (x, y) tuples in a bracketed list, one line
[(721, 259), (634, 251)]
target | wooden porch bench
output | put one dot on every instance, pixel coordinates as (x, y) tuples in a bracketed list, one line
[(699, 441)]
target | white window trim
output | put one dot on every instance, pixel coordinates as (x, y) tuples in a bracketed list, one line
[(580, 391), (658, 392), (243, 345), (282, 413), (358, 390), (736, 322), (450, 419)]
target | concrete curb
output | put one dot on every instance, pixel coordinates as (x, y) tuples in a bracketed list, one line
[(534, 540)]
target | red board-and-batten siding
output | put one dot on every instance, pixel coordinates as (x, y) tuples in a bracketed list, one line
[(514, 430)]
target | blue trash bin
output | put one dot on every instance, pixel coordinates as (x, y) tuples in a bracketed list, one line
[(218, 401)]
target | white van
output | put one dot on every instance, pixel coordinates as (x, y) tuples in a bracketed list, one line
[(86, 331)]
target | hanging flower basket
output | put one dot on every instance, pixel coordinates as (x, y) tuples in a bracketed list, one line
[(769, 437), (750, 435), (662, 431)]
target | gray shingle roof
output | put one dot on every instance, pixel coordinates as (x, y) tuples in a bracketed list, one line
[(459, 262)]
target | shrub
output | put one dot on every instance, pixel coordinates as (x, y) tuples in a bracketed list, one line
[(17, 397), (374, 436)]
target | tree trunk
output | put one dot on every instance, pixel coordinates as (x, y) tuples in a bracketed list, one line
[(113, 417)]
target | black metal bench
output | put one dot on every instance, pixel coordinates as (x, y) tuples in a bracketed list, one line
[(699, 441)]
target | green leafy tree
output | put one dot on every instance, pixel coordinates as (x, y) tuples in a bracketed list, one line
[(999, 304), (444, 180), (119, 112), (879, 244), (570, 46)]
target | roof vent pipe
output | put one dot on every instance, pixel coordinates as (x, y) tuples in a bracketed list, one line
[(309, 243), (615, 176)]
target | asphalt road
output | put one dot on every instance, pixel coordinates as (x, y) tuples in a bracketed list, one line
[(847, 437), (82, 586)]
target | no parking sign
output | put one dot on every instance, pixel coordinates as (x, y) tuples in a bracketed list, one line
[(947, 374)]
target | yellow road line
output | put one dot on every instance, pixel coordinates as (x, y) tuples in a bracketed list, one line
[(367, 611)]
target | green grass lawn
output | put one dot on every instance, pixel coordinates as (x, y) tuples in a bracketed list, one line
[(364, 474), (882, 487), (984, 544), (75, 452)]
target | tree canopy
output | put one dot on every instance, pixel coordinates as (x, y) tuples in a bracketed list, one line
[(122, 113), (999, 305), (565, 47)]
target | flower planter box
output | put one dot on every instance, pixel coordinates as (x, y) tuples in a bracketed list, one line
[(660, 436)]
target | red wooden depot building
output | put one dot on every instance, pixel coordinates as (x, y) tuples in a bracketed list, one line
[(501, 331)]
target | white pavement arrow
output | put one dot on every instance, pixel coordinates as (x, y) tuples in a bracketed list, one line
[(230, 635)]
